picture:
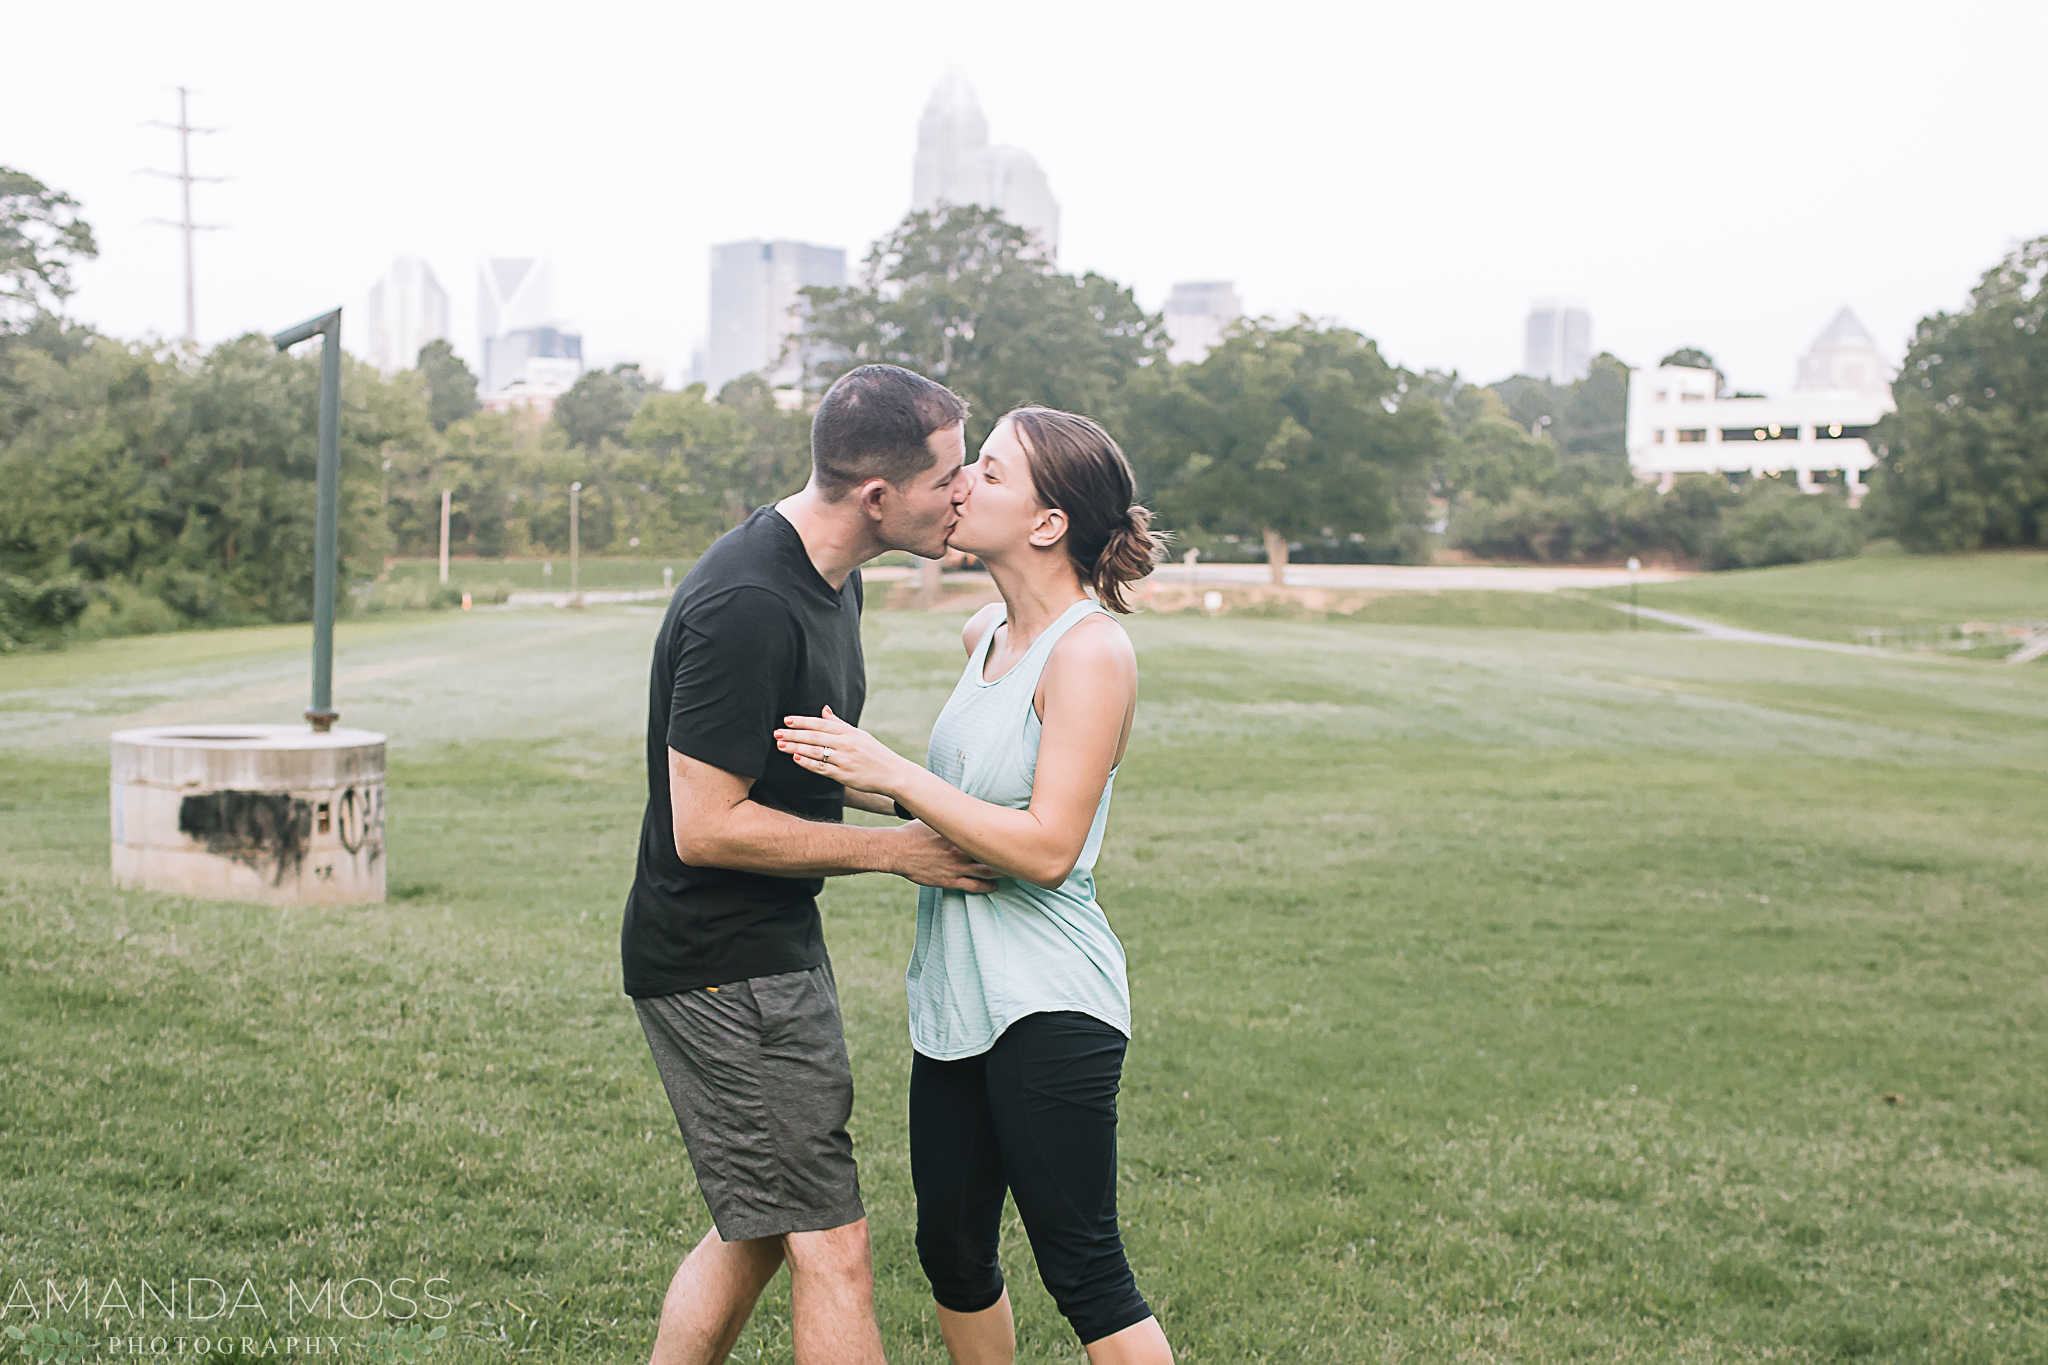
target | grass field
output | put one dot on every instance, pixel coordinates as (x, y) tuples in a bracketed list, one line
[(1835, 599), (530, 575), (1501, 995)]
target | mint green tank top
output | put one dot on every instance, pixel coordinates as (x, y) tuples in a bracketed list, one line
[(982, 961)]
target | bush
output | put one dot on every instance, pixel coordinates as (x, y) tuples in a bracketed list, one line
[(1702, 519), (32, 612), (124, 609), (195, 596), (413, 594), (1781, 526)]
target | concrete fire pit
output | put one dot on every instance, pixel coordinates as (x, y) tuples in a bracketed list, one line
[(276, 813)]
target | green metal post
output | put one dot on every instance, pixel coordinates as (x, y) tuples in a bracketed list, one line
[(327, 503)]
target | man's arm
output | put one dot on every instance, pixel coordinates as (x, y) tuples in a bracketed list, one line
[(718, 825)]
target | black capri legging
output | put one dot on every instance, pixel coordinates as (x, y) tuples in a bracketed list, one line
[(1036, 1115)]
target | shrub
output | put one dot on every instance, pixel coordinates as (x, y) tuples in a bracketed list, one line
[(1781, 526), (31, 611)]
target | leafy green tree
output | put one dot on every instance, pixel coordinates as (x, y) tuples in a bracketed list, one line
[(960, 295), (1588, 418), (1693, 358), (1289, 433), (1964, 459), (41, 237), (242, 437), (80, 455), (600, 404), (451, 388), (701, 466), (1487, 454)]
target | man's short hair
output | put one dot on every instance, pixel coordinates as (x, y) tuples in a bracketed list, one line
[(873, 424)]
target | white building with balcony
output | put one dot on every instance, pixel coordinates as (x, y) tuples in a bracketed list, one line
[(1679, 422)]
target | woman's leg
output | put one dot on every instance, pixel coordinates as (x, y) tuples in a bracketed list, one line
[(1052, 1086), (957, 1170)]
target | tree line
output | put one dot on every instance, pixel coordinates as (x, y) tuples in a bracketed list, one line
[(148, 487)]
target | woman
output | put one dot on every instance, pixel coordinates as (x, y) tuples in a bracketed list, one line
[(1019, 1009)]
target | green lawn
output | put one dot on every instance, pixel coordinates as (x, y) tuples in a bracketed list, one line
[(1835, 599), (530, 575), (1501, 995)]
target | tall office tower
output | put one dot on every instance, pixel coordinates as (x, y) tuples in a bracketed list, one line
[(1845, 356), (1196, 314), (1559, 344), (956, 165), (757, 316), (408, 309), (515, 316)]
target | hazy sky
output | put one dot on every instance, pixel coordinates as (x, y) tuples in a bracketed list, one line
[(1722, 174)]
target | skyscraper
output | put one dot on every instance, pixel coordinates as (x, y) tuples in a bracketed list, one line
[(1196, 314), (956, 165), (522, 341), (756, 310), (1845, 356), (408, 309), (1559, 341)]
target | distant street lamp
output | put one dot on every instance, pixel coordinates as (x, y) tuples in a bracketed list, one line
[(575, 533)]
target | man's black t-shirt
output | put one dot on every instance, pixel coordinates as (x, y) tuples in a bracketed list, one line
[(753, 635)]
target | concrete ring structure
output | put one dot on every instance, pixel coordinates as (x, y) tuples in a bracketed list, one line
[(274, 813)]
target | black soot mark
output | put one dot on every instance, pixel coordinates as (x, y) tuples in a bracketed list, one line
[(263, 831)]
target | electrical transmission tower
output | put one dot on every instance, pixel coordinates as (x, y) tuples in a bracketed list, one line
[(184, 129)]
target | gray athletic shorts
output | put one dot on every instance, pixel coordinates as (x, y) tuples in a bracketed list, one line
[(756, 1071)]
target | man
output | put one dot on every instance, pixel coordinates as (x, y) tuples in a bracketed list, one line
[(723, 951)]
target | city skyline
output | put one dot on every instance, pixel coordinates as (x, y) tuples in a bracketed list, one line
[(1274, 179), (1557, 341), (956, 164), (406, 309), (756, 307)]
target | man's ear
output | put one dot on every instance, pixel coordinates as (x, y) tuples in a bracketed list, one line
[(869, 495), (1052, 524)]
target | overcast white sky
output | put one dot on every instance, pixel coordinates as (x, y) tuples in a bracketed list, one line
[(1721, 174)]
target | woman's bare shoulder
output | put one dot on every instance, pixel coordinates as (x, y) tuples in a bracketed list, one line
[(978, 625), (1096, 647)]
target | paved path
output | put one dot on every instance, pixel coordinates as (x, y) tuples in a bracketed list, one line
[(1379, 577), (588, 599), (1714, 630)]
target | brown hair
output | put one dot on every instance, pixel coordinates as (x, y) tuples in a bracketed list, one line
[(874, 423), (1078, 469)]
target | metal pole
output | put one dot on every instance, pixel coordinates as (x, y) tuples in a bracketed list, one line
[(185, 180), (575, 532), (444, 534), (1634, 614), (184, 129), (327, 499)]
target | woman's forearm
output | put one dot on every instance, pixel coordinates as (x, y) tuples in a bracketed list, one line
[(1015, 842)]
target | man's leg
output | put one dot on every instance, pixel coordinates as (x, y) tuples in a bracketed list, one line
[(711, 1298), (832, 1297)]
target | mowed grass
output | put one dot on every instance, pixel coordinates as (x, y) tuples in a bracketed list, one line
[(1501, 994), (611, 572), (1835, 599)]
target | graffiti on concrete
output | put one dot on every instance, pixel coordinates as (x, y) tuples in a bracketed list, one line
[(267, 832)]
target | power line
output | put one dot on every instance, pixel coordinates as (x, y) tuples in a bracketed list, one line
[(184, 129)]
